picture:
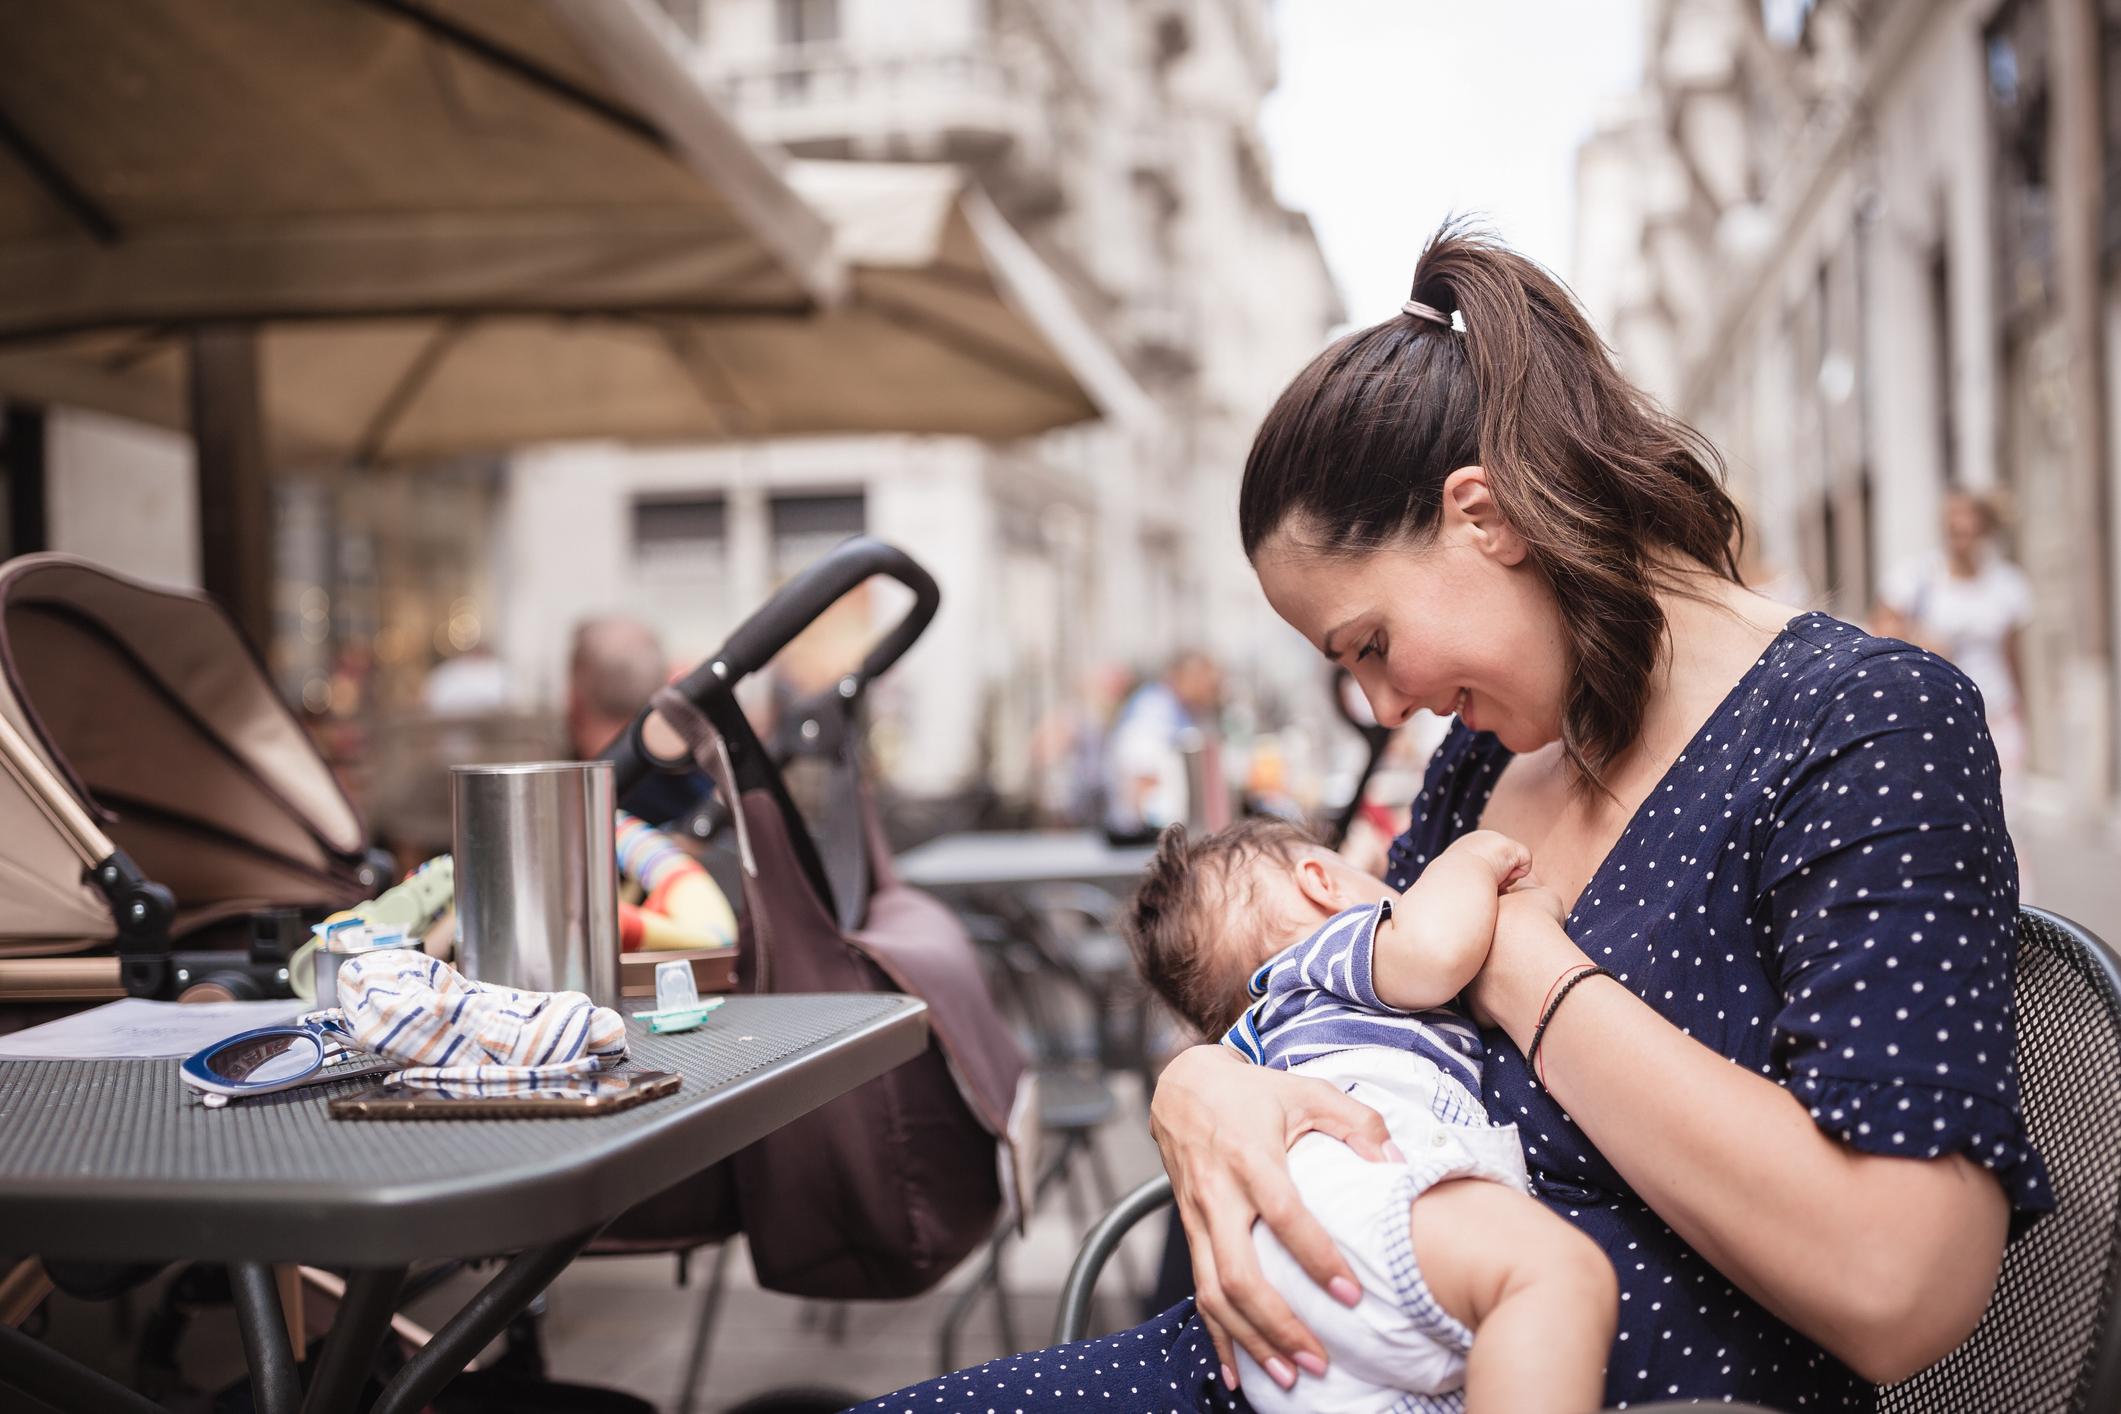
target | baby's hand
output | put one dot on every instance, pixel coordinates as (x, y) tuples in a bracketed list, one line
[(1508, 859)]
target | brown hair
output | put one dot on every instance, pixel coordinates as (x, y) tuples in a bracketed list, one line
[(1181, 927), (1596, 478)]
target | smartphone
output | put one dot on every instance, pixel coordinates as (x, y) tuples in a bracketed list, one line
[(583, 1095)]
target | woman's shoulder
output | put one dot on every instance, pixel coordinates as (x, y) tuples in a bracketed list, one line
[(1823, 671)]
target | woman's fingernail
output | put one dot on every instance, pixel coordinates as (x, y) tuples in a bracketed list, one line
[(1283, 1375), (1229, 1378), (1312, 1365), (1392, 1152), (1346, 1292)]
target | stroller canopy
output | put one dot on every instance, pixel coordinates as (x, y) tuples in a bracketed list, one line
[(135, 717)]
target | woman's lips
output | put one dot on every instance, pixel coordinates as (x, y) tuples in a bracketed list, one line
[(1465, 707)]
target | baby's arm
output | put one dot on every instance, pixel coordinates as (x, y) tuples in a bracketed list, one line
[(1434, 945), (1539, 1296)]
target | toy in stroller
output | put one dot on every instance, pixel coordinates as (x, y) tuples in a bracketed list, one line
[(169, 828)]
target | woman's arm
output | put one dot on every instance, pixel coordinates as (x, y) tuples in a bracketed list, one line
[(1225, 1127), (1887, 1262)]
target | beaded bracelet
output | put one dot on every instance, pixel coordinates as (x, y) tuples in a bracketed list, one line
[(1539, 1032)]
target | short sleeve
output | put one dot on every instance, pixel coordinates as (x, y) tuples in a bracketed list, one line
[(2016, 595), (1334, 963), (1889, 891)]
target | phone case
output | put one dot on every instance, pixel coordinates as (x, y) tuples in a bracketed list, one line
[(403, 1102)]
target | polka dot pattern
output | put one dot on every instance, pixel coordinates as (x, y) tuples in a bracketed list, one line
[(1820, 888), (1164, 1366)]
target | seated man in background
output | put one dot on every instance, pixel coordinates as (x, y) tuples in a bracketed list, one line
[(613, 667)]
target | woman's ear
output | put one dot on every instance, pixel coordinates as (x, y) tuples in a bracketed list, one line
[(1469, 508)]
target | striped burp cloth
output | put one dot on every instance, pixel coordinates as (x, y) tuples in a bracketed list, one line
[(447, 1028)]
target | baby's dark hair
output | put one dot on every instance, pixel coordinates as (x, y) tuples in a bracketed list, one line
[(1183, 926)]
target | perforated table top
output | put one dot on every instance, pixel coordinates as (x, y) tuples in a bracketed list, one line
[(113, 1160)]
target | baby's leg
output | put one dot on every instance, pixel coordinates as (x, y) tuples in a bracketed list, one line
[(1539, 1296)]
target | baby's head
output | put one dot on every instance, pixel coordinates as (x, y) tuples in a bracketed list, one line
[(1210, 911)]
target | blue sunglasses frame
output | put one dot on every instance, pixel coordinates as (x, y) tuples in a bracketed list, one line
[(335, 1057)]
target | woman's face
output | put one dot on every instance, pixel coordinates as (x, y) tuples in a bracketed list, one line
[(1460, 624)]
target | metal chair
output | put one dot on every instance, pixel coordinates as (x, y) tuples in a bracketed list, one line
[(2050, 1342)]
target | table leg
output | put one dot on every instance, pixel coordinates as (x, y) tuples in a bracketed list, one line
[(276, 1388), (23, 1290), (358, 1327), (500, 1301), (31, 1367)]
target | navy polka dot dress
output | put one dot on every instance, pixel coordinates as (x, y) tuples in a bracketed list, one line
[(1820, 888)]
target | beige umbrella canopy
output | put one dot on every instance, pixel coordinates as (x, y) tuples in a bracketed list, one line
[(175, 162), (192, 173), (951, 324)]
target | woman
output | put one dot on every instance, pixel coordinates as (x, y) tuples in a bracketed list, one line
[(1787, 1108), (1970, 604)]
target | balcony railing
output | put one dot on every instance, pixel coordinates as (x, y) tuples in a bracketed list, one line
[(957, 104)]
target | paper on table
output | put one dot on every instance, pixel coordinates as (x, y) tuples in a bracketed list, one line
[(136, 1027)]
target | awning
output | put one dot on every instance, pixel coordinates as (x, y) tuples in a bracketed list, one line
[(170, 162), (951, 324)]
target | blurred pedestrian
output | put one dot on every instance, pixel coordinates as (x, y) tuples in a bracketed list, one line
[(1968, 604), (1164, 723), (613, 667)]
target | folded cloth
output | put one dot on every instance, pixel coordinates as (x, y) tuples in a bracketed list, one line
[(445, 1027)]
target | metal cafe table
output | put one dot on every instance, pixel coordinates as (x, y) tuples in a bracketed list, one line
[(986, 860), (111, 1160)]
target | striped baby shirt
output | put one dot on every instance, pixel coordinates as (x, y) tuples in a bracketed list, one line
[(1316, 997)]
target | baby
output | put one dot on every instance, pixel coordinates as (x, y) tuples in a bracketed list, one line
[(1475, 1297)]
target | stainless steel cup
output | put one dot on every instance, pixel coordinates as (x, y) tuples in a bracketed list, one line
[(537, 881)]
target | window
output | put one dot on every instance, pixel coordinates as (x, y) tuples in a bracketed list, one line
[(798, 22), (805, 527), (2018, 105), (680, 570), (672, 530)]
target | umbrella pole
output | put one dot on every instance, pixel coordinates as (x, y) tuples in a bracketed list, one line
[(235, 499), (22, 458)]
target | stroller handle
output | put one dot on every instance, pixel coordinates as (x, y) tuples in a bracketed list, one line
[(776, 623), (803, 599)]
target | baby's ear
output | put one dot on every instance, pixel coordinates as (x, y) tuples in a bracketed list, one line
[(1317, 883)]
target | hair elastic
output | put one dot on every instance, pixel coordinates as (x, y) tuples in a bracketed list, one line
[(1454, 321)]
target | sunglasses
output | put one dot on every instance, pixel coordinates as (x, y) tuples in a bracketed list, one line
[(311, 1050)]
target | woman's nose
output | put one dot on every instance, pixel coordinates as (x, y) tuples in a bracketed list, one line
[(1389, 707)]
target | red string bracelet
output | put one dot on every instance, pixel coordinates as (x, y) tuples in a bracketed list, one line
[(1566, 984)]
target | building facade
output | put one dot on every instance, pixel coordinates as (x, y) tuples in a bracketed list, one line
[(1869, 248), (1121, 140)]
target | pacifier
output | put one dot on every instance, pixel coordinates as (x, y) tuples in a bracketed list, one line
[(677, 1000)]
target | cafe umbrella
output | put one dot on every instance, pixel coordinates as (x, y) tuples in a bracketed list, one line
[(335, 233), (179, 180)]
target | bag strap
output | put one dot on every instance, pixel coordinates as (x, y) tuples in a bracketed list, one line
[(710, 752)]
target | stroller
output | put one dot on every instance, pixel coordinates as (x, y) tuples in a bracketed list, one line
[(880, 1193), (170, 829)]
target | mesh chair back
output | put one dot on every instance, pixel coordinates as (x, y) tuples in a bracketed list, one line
[(2051, 1340)]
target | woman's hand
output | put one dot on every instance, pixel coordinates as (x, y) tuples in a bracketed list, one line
[(1529, 952), (1225, 1128)]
